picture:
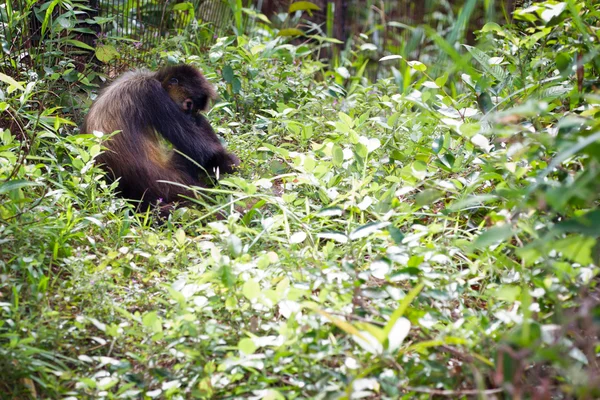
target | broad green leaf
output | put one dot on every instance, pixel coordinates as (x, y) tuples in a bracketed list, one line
[(493, 236), (247, 346), (330, 212), (338, 155), (152, 321), (227, 73), (471, 201), (106, 53), (417, 66), (508, 293), (236, 85), (303, 6), (290, 32), (428, 197), (576, 248), (346, 119), (419, 170), (180, 237), (251, 289)]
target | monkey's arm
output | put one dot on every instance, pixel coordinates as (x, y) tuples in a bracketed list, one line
[(226, 162)]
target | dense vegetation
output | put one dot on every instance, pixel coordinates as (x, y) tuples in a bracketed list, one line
[(432, 233)]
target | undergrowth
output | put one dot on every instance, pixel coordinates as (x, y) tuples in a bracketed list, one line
[(433, 233)]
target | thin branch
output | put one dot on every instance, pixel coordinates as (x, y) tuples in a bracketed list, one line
[(451, 393)]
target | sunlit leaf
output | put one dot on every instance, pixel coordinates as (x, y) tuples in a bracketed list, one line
[(251, 289), (367, 230), (303, 6)]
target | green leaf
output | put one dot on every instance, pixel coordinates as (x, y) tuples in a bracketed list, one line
[(236, 85), (290, 32), (335, 236), (180, 237), (247, 346), (303, 6), (9, 186), (11, 82), (428, 197), (186, 6), (417, 66), (587, 224), (396, 234), (80, 44), (346, 119), (398, 333), (48, 15), (367, 230), (437, 144), (419, 170), (507, 293), (576, 248), (493, 236), (227, 73), (152, 321), (471, 201), (106, 53), (484, 60), (251, 289), (338, 155)]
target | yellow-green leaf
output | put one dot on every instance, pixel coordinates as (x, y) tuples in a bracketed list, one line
[(10, 81), (399, 312), (247, 346), (303, 6), (290, 32)]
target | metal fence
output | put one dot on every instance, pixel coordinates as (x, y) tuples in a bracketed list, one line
[(38, 33), (34, 31)]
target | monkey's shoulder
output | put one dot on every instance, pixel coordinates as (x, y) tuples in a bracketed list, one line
[(141, 82)]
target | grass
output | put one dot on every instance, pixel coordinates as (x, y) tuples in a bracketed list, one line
[(425, 235)]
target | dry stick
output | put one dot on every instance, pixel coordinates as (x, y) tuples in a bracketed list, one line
[(448, 393), (356, 318)]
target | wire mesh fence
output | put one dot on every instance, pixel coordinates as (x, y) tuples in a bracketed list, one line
[(41, 31), (36, 33)]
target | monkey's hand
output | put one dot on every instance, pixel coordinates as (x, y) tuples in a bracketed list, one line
[(229, 163)]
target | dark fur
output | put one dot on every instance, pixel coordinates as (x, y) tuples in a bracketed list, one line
[(145, 106)]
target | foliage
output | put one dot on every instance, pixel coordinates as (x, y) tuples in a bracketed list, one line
[(432, 233)]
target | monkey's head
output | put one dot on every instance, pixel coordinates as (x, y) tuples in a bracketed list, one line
[(187, 87)]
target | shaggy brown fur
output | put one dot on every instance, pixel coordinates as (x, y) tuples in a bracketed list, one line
[(146, 108)]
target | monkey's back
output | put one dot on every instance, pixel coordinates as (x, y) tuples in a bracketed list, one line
[(135, 154)]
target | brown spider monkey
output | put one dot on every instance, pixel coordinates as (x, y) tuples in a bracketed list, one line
[(146, 108)]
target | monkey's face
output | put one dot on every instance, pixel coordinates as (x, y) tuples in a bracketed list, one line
[(188, 88)]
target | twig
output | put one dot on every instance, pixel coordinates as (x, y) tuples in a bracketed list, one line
[(357, 318), (448, 393)]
